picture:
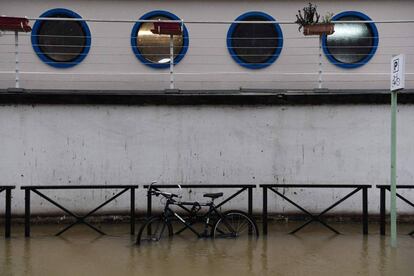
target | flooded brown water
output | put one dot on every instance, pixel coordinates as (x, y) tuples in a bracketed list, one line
[(313, 251)]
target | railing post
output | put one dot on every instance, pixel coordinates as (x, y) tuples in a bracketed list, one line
[(382, 210), (171, 61), (365, 210), (132, 211), (250, 204), (264, 215), (27, 213), (320, 63), (16, 45), (149, 203), (149, 208), (250, 201), (8, 212)]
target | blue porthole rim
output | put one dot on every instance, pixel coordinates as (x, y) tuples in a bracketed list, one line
[(134, 44), (270, 60), (45, 58), (375, 41)]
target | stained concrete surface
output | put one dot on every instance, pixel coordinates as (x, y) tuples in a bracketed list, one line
[(313, 251), (112, 144)]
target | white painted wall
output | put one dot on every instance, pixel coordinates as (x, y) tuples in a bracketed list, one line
[(45, 145), (207, 55)]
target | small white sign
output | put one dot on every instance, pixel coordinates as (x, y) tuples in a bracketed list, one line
[(397, 73)]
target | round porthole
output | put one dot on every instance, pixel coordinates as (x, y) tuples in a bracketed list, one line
[(154, 49), (254, 45), (61, 44), (353, 44)]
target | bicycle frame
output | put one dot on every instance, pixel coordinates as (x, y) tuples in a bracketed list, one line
[(168, 214), (188, 222), (217, 224)]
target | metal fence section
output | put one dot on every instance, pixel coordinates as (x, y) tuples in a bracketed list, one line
[(79, 219), (7, 213), (240, 188), (318, 217), (383, 189)]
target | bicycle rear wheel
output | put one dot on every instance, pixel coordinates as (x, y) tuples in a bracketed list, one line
[(235, 224), (154, 230)]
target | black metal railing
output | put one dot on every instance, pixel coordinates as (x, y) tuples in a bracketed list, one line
[(241, 188), (317, 217), (383, 188), (7, 213), (79, 219)]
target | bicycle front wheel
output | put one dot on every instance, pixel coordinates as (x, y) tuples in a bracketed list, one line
[(235, 224), (154, 230)]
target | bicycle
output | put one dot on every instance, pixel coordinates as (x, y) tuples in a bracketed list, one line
[(228, 224)]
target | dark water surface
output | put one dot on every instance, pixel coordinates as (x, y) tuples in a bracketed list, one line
[(315, 251)]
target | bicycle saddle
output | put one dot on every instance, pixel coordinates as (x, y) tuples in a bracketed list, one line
[(213, 195)]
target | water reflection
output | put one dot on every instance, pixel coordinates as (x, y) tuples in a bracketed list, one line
[(312, 252), (382, 256), (5, 263), (27, 256)]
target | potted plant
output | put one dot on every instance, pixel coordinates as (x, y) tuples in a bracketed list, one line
[(309, 21)]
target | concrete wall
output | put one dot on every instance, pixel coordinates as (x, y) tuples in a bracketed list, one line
[(207, 64), (81, 145), (90, 144)]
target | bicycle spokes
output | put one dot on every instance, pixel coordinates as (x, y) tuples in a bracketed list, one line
[(234, 225)]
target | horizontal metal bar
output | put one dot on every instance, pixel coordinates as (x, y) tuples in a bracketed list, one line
[(7, 187), (204, 186), (62, 187), (97, 20), (316, 185), (189, 73), (204, 37), (398, 186)]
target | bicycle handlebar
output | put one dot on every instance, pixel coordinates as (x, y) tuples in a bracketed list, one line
[(164, 194), (170, 196), (156, 192)]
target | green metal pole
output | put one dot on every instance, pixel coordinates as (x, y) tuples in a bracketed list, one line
[(393, 168)]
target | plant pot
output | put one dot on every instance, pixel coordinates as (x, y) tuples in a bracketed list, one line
[(319, 29)]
